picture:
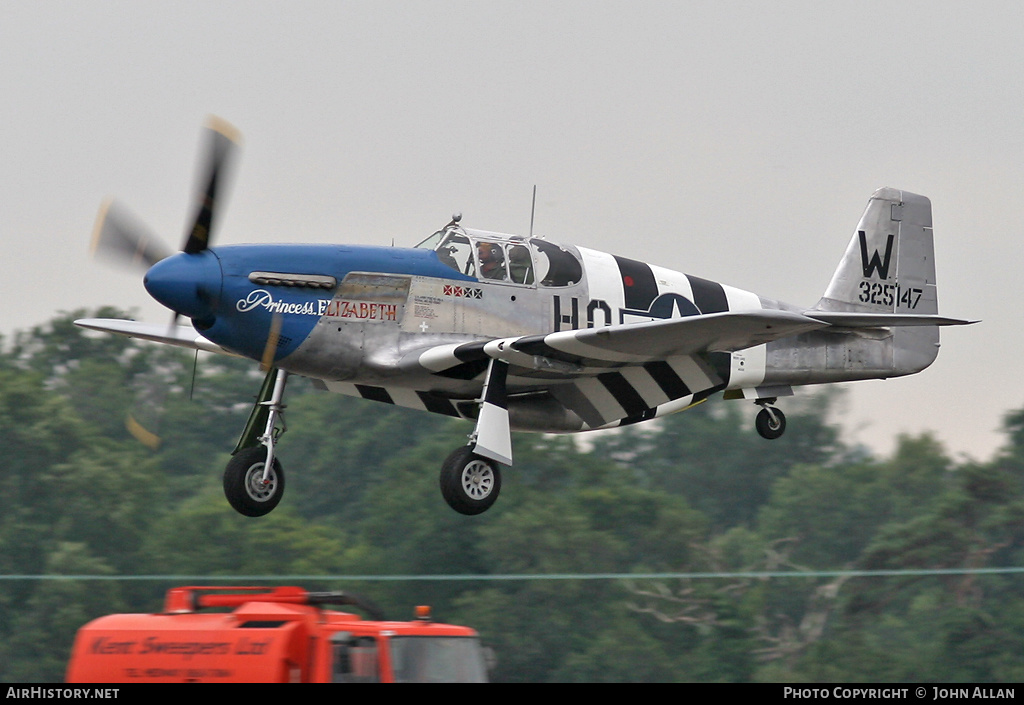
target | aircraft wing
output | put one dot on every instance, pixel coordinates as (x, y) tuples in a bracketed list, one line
[(634, 343), (615, 375), (588, 351), (620, 374), (180, 336)]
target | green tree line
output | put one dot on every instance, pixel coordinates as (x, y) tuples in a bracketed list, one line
[(697, 492)]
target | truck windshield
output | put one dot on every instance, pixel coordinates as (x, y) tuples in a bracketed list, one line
[(437, 659)]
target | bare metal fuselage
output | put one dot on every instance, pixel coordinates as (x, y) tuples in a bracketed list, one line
[(370, 336)]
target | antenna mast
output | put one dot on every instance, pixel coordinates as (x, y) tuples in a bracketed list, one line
[(533, 209)]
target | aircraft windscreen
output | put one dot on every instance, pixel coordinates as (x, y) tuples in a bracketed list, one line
[(431, 242), (456, 252)]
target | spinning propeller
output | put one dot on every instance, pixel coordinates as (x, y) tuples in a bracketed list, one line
[(186, 282), (118, 236), (121, 238)]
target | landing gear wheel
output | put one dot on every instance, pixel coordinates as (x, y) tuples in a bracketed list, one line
[(469, 483), (244, 486), (770, 423)]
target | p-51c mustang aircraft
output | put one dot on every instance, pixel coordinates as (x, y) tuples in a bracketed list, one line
[(521, 333)]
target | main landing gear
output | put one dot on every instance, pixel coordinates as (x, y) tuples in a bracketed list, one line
[(470, 483), (470, 476), (770, 422), (254, 478), (250, 489)]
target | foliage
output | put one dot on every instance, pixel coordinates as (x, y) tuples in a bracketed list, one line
[(694, 493)]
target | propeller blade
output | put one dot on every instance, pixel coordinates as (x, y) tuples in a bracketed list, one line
[(270, 349), (120, 237), (142, 434), (222, 138), (144, 418), (174, 324)]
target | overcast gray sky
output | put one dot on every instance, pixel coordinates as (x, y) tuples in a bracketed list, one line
[(738, 141)]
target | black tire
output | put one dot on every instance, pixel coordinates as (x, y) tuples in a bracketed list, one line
[(469, 483), (767, 426), (241, 482)]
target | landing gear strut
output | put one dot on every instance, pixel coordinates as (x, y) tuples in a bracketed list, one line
[(770, 422), (470, 476), (254, 478)]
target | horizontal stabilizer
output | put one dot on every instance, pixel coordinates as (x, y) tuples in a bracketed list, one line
[(180, 336), (845, 319)]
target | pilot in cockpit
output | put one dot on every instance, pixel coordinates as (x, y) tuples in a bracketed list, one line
[(492, 261)]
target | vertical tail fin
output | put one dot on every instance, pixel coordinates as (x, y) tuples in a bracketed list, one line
[(889, 267)]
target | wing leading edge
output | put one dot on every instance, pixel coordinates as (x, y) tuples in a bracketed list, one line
[(180, 336)]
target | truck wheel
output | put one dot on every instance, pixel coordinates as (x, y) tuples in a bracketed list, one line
[(469, 483), (243, 482)]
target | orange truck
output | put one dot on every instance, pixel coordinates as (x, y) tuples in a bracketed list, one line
[(271, 635)]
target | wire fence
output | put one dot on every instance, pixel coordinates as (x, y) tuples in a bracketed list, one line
[(760, 575)]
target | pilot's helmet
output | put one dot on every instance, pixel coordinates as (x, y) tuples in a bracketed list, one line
[(487, 252)]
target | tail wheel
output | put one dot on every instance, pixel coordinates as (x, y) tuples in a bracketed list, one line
[(244, 486), (770, 423), (469, 483)]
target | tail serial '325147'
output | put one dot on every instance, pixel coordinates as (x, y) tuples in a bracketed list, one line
[(520, 333)]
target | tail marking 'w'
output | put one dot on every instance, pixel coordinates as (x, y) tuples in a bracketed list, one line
[(875, 263)]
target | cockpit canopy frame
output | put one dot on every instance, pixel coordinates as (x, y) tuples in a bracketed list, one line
[(505, 259)]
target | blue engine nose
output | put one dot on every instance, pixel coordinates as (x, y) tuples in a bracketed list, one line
[(188, 284)]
